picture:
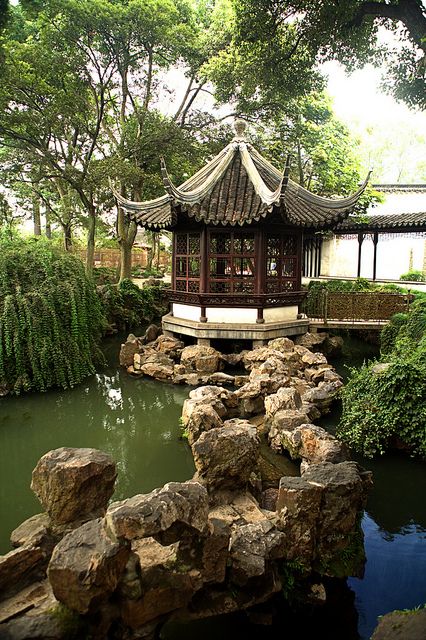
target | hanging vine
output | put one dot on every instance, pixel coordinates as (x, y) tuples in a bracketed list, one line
[(51, 318)]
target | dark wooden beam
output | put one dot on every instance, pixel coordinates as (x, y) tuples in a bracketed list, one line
[(361, 237), (375, 241)]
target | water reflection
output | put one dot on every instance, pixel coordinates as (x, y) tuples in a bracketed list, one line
[(136, 421)]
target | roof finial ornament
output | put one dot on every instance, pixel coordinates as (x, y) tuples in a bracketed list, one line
[(240, 128)]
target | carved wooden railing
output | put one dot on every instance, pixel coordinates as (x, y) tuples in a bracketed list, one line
[(354, 306), (258, 300)]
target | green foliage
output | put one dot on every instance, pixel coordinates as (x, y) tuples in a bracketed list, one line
[(413, 276), (390, 331), (105, 275), (50, 317), (387, 408), (126, 305), (346, 31)]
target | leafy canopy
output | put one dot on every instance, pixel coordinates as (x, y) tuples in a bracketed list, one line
[(347, 31)]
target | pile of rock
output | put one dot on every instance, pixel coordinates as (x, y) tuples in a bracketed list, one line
[(186, 550), (282, 363), (212, 545)]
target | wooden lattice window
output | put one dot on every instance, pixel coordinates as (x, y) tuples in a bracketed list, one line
[(187, 262), (231, 262), (281, 263)]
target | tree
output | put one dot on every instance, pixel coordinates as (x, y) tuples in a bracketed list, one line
[(53, 100), (347, 31), (50, 317)]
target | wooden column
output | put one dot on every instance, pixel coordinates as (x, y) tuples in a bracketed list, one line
[(319, 251), (360, 241), (260, 266), (375, 241), (203, 270)]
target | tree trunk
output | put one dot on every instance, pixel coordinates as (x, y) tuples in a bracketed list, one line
[(66, 228), (91, 233), (48, 223), (36, 215), (126, 246), (158, 252), (126, 234)]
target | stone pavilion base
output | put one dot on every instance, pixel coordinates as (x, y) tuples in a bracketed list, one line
[(258, 333)]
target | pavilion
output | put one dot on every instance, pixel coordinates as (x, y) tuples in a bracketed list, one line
[(238, 227)]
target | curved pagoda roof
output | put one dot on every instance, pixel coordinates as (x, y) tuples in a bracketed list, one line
[(392, 223), (239, 186)]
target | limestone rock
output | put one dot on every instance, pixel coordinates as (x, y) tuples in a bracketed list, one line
[(151, 333), (312, 341), (313, 444), (20, 566), (169, 345), (333, 346), (251, 546), (128, 350), (250, 399), (316, 374), (222, 400), (214, 555), (221, 378), (157, 371), (201, 359), (310, 358), (323, 395), (86, 566), (227, 456), (165, 513), (285, 398), (269, 499), (150, 356), (281, 344), (233, 359), (34, 531), (282, 422), (380, 367), (165, 583), (344, 495), (203, 418), (35, 613), (298, 505), (401, 625), (74, 484)]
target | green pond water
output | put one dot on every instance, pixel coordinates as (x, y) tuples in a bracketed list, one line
[(137, 422)]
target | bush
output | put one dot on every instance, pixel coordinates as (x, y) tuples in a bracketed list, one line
[(50, 317), (105, 275), (413, 276), (381, 409), (384, 409), (390, 331), (126, 305)]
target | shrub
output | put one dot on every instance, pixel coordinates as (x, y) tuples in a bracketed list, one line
[(388, 407), (413, 276), (390, 331), (105, 275), (382, 409), (126, 305), (50, 317)]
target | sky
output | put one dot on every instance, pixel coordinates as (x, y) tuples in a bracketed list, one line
[(383, 125)]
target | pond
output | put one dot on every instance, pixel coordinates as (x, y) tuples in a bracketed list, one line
[(137, 422)]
